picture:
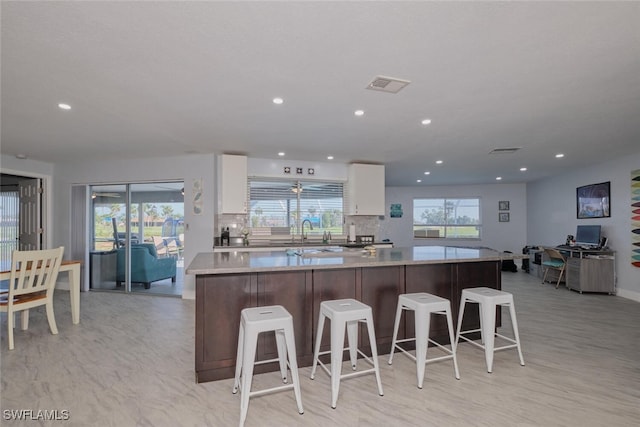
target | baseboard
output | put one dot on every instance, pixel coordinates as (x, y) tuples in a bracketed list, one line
[(632, 295)]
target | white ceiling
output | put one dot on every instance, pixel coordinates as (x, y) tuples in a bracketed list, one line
[(151, 79)]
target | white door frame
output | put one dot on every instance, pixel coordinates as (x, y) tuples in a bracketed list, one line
[(47, 202)]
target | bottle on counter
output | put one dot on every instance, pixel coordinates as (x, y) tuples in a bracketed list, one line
[(325, 238)]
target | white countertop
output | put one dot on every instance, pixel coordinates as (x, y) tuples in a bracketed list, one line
[(243, 262)]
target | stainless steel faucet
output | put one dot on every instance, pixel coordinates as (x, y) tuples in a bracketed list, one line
[(302, 236)]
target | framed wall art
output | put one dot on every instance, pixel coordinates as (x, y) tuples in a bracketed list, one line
[(503, 216), (503, 205), (592, 201)]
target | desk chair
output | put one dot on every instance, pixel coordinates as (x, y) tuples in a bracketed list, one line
[(556, 262)]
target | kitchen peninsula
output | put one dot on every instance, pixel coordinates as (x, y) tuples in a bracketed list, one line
[(298, 279)]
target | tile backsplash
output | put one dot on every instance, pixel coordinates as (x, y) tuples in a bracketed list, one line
[(365, 224)]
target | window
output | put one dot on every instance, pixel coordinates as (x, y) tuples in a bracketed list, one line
[(447, 218), (283, 205)]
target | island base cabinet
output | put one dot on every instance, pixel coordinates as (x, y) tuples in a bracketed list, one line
[(219, 301), (221, 297)]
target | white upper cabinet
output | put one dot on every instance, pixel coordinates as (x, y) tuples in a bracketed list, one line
[(366, 189), (232, 184)]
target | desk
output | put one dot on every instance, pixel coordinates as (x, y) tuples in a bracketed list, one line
[(72, 267), (590, 270)]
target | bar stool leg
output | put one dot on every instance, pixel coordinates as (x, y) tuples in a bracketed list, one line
[(488, 326), (316, 351), (396, 326), (239, 355), (282, 353), (514, 324), (352, 339), (374, 351), (249, 354), (337, 349), (422, 323), (453, 343), (293, 365), (460, 316)]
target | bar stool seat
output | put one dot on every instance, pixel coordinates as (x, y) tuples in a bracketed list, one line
[(345, 313), (254, 321), (488, 299), (423, 305)]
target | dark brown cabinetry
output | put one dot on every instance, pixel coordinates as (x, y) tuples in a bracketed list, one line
[(221, 297)]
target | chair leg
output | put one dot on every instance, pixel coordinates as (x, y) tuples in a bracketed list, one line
[(248, 358), (352, 338), (374, 352), (316, 351), (514, 324), (422, 342), (545, 275), (239, 358), (293, 365), (51, 318), (453, 344), (396, 325), (10, 325), (488, 326), (24, 320), (337, 349), (282, 353)]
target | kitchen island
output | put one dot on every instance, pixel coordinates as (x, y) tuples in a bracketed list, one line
[(298, 279)]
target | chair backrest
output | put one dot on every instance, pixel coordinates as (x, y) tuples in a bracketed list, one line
[(34, 271), (554, 254)]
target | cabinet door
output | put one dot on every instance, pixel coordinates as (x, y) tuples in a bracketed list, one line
[(233, 184), (366, 189), (435, 279), (330, 285), (380, 289), (293, 291), (217, 327)]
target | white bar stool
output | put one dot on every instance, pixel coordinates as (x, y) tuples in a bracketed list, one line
[(424, 304), (349, 313), (488, 299), (253, 321)]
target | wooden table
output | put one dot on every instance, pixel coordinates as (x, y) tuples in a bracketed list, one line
[(72, 267)]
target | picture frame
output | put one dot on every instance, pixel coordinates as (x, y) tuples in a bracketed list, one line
[(593, 201), (503, 216), (503, 205)]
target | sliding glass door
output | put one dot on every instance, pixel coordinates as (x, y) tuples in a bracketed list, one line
[(138, 238)]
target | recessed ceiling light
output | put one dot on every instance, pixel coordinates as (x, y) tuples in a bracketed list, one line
[(438, 162), (498, 178), (278, 101), (21, 156), (418, 180), (329, 157), (359, 113), (281, 153), (523, 169), (64, 106), (426, 122), (559, 156), (427, 173)]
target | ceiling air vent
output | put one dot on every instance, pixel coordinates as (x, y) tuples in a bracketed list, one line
[(504, 150), (387, 84)]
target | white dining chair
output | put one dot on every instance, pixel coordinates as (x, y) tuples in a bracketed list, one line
[(31, 283)]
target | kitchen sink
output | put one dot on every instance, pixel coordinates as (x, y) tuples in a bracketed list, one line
[(332, 253)]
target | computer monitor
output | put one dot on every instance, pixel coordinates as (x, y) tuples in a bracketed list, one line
[(588, 235)]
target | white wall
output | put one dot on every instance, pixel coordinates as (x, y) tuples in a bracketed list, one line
[(504, 236), (198, 228), (552, 213)]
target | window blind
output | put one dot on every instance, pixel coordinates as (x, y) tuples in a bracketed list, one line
[(282, 205)]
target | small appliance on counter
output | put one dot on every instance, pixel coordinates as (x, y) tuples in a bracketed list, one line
[(224, 237)]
